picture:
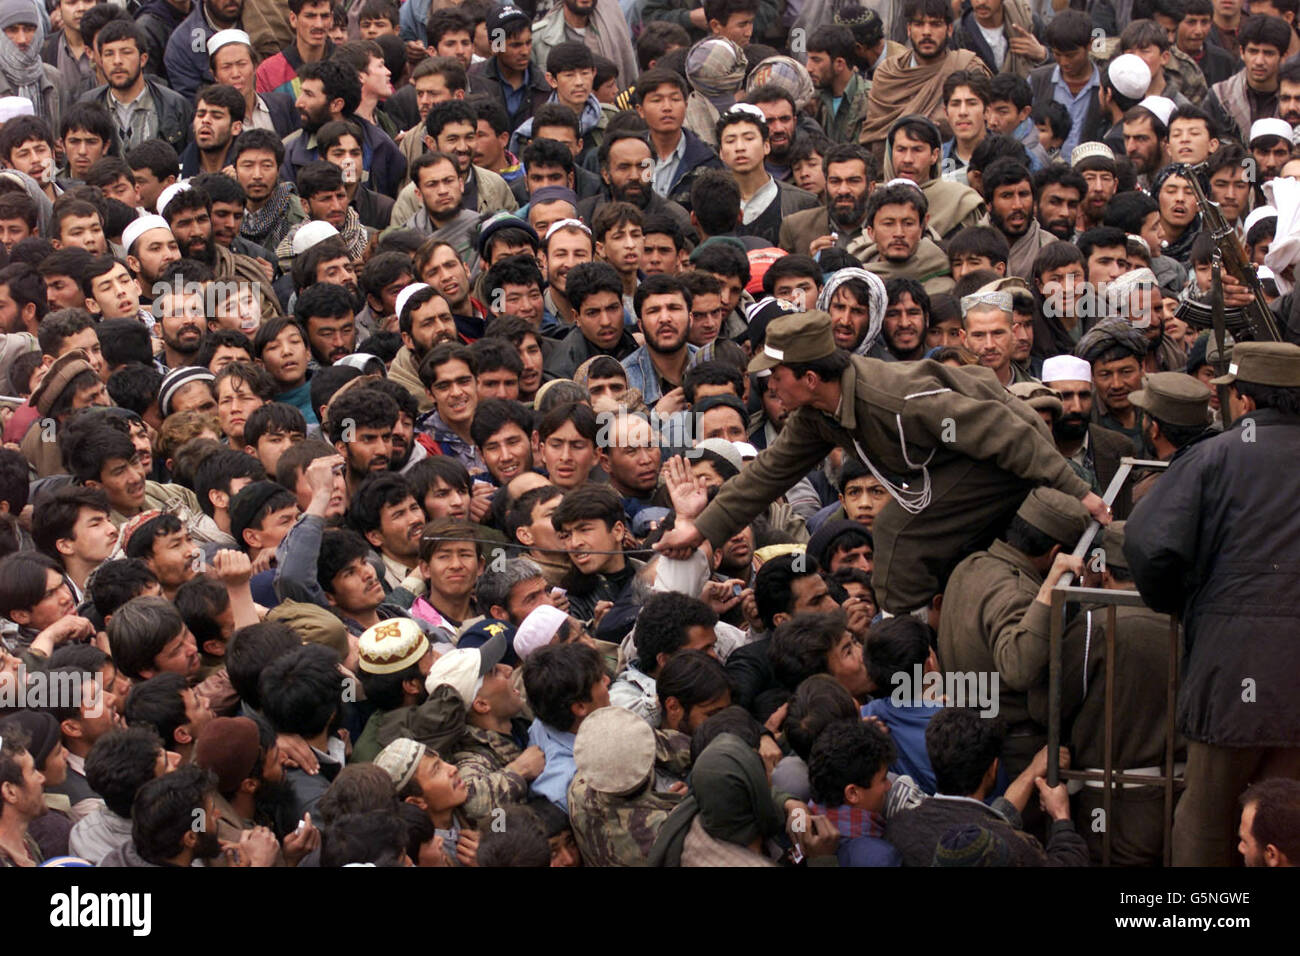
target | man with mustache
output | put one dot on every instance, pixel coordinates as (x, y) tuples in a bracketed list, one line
[(1010, 192), (914, 150), (1058, 194), (218, 119), (850, 170), (663, 307), (188, 213), (1288, 93), (451, 128), (120, 46), (778, 107), (179, 314), (896, 219), (1093, 450), (424, 319), (841, 89), (626, 168), (912, 82), (325, 311), (1095, 162), (331, 90), (360, 424)]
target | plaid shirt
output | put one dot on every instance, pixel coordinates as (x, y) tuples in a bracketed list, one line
[(850, 821)]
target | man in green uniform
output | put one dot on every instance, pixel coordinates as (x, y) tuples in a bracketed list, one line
[(999, 620), (967, 453), (1136, 823)]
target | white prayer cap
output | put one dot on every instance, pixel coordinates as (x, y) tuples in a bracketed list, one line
[(1090, 149), (13, 106), (170, 193), (404, 296), (138, 227), (311, 233), (1162, 106), (538, 629), (1129, 76), (223, 37), (1264, 272), (1270, 127), (1256, 214), (1066, 368)]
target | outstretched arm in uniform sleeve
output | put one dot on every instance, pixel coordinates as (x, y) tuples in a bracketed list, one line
[(798, 449), (988, 430)]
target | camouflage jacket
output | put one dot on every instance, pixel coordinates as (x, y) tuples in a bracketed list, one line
[(619, 830), (844, 126), (481, 757), (616, 830)]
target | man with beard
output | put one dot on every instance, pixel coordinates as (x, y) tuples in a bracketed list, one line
[(150, 248), (441, 215), (855, 300), (625, 163), (906, 317), (218, 119), (840, 223), (841, 91), (179, 314), (1288, 93), (1093, 450), (385, 512), (1010, 193), (167, 114), (1251, 94), (188, 212), (1269, 147), (360, 424), (271, 207), (1058, 195), (663, 307), (1096, 164), (779, 109), (1146, 136), (325, 311), (251, 791), (451, 129), (912, 82), (914, 150), (331, 90), (164, 833), (896, 220), (424, 319)]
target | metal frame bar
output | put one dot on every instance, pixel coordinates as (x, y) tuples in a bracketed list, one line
[(1064, 592)]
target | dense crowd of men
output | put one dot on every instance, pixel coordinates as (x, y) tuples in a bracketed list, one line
[(638, 432)]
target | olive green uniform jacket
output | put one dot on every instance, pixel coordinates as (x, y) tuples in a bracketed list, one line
[(956, 430)]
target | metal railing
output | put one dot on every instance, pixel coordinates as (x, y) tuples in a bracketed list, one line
[(1064, 592)]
